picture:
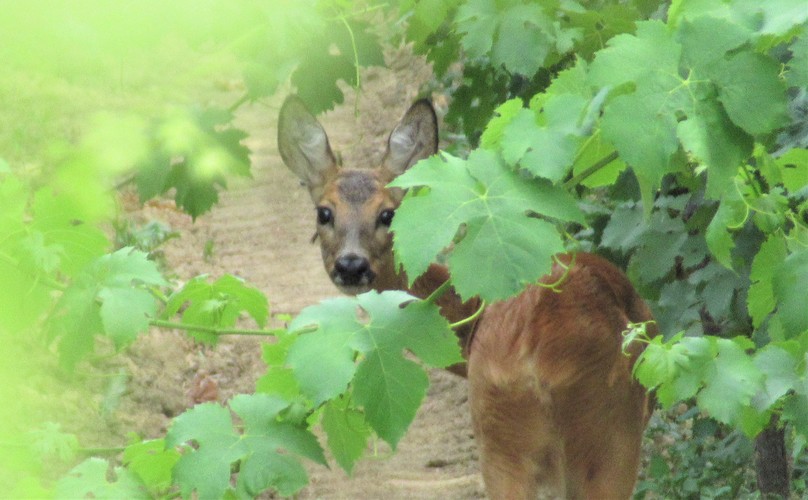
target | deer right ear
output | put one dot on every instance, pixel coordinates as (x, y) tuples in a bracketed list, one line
[(414, 138), (303, 144)]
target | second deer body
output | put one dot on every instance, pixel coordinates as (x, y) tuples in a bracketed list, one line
[(555, 409)]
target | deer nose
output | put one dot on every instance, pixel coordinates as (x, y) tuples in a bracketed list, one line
[(352, 270)]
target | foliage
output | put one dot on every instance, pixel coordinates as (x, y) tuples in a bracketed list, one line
[(672, 138), (695, 458)]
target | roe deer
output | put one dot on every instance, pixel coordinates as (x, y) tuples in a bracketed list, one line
[(554, 406)]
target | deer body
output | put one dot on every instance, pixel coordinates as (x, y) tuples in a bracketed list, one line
[(555, 409)]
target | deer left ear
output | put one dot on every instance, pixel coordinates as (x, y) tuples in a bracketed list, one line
[(413, 139)]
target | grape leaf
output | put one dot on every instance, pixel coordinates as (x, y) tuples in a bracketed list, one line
[(731, 214), (108, 296), (65, 224), (730, 383), (125, 313), (49, 441), (268, 464), (649, 54), (503, 247), (705, 40), (520, 26), (206, 468), (495, 130), (788, 284), (793, 167), (477, 20), (752, 92), (152, 463), (642, 124), (797, 74), (760, 298), (388, 386), (279, 379), (323, 360), (330, 57), (780, 16), (347, 432), (218, 304), (795, 411), (712, 138), (194, 152), (89, 480), (545, 151), (781, 371)]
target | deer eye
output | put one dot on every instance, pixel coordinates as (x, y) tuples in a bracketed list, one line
[(386, 217), (324, 216)]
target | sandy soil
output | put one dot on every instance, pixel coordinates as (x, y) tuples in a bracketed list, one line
[(261, 231)]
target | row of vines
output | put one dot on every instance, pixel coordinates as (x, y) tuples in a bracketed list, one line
[(670, 136)]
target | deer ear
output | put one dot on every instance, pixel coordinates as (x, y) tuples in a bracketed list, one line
[(303, 144), (414, 138)]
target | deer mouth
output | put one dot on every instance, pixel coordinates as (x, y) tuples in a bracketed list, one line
[(352, 274), (351, 288)]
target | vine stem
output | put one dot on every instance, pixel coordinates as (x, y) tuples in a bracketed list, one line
[(591, 170), (438, 293), (471, 318), (356, 63), (212, 329)]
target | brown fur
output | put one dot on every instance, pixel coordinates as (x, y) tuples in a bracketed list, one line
[(555, 409)]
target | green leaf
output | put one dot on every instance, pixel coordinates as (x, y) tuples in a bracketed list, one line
[(593, 151), (729, 383), (218, 304), (706, 39), (717, 143), (323, 360), (780, 368), (494, 205), (268, 464), (644, 134), (279, 379), (520, 26), (65, 224), (152, 463), (760, 298), (49, 441), (125, 313), (731, 215), (206, 468), (650, 54), (795, 411), (477, 21), (495, 130), (347, 433), (388, 386), (391, 389), (625, 229), (545, 151), (794, 169), (330, 57), (89, 480), (780, 16), (752, 93), (797, 74), (788, 285), (658, 364)]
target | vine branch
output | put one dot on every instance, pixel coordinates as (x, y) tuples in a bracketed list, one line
[(212, 329), (589, 171)]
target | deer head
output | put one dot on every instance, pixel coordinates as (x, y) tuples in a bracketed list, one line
[(354, 208)]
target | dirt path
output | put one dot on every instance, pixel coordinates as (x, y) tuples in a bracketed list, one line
[(261, 231)]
